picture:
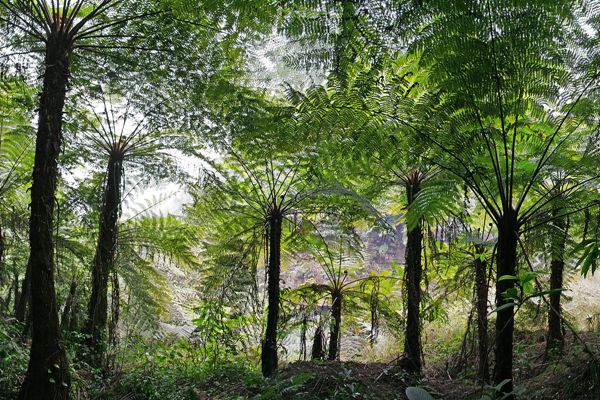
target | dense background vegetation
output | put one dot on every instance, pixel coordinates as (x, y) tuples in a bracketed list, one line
[(299, 199)]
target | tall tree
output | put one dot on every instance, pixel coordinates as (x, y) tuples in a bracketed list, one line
[(478, 241), (363, 137), (555, 337), (62, 28), (481, 288), (414, 273), (264, 202), (345, 279), (124, 138), (481, 121)]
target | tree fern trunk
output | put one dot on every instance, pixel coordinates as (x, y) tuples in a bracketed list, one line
[(481, 291), (66, 313), (74, 317), (414, 272), (115, 310), (506, 265), (555, 338), (269, 346), (96, 322), (24, 297), (48, 374), (2, 266), (336, 323), (317, 352), (373, 306), (15, 290), (303, 329)]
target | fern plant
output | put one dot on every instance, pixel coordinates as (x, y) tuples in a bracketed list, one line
[(345, 281)]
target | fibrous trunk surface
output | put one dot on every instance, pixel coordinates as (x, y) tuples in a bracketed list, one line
[(96, 323), (47, 374), (555, 338), (481, 290), (269, 347), (414, 272), (506, 265), (336, 322), (21, 305), (317, 352)]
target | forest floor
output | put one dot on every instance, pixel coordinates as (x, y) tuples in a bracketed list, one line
[(572, 376), (162, 370), (314, 380)]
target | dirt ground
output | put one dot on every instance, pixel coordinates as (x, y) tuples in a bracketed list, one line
[(570, 376), (375, 380)]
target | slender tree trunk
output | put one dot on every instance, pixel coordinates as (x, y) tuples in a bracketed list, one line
[(481, 291), (48, 373), (555, 338), (506, 265), (3, 271), (5, 303), (96, 322), (115, 310), (66, 313), (303, 329), (269, 348), (24, 298), (5, 306), (15, 289), (336, 324), (317, 352), (373, 305), (74, 317), (26, 332), (414, 271), (2, 246)]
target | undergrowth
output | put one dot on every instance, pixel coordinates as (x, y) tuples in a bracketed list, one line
[(13, 359), (145, 369)]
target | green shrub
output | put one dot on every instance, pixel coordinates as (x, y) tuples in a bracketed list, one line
[(13, 360)]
